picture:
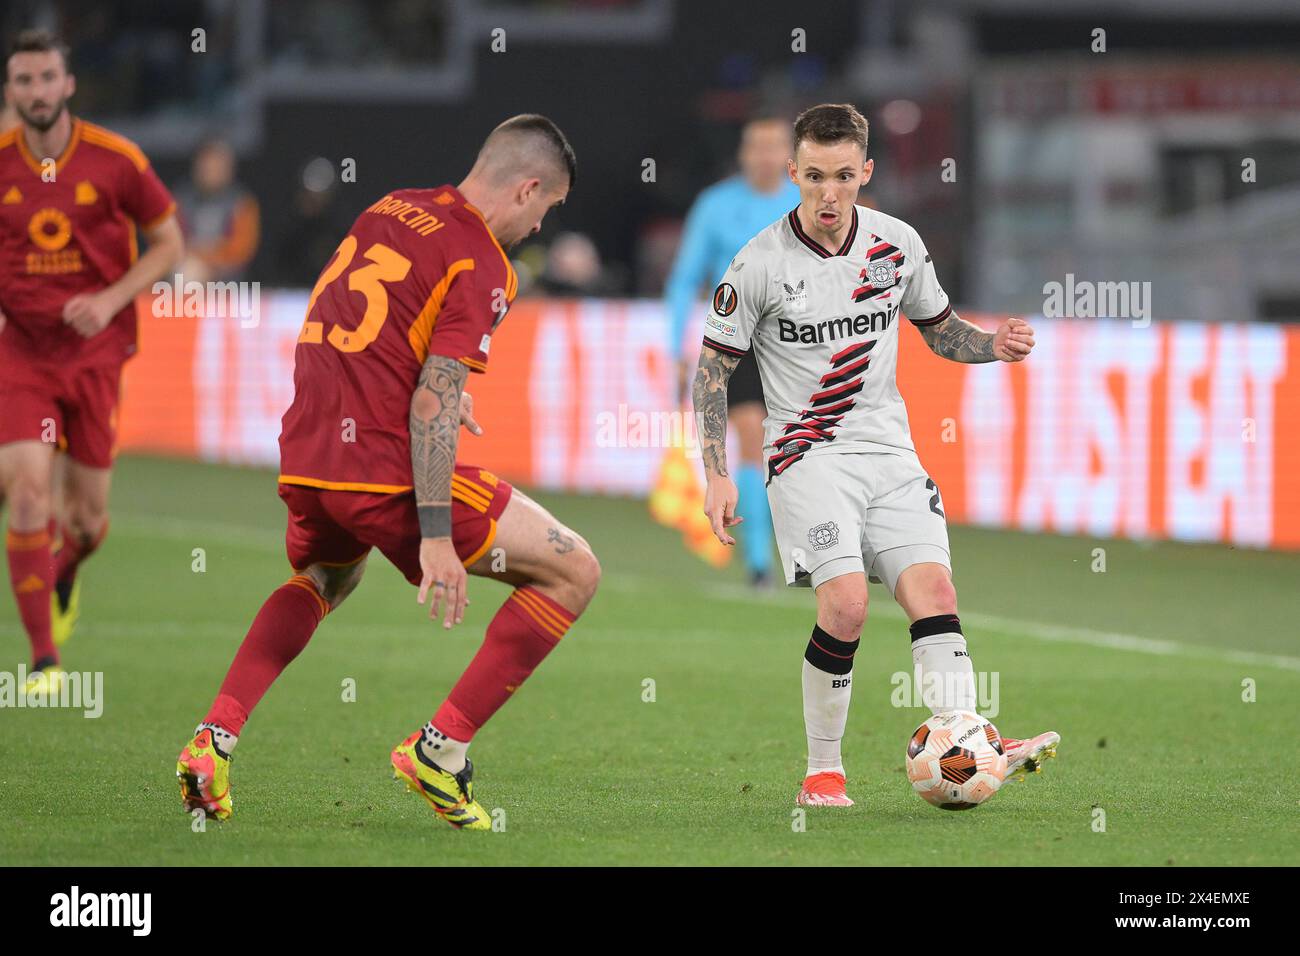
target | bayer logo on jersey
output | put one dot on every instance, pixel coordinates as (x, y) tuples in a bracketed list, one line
[(881, 274)]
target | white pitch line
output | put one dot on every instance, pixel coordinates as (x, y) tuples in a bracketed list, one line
[(252, 538), (1118, 641), (1057, 633)]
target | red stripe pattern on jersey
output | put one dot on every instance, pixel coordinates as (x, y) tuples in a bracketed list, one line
[(826, 408), (882, 271)]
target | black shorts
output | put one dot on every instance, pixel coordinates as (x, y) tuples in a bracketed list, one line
[(745, 384)]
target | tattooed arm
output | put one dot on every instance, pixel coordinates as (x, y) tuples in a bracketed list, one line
[(955, 338), (435, 427), (710, 394)]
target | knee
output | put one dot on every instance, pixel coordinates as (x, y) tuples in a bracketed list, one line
[(844, 619), (85, 517), (582, 577), (843, 611), (925, 590), (335, 593), (335, 584), (942, 595), (571, 582), (29, 501)]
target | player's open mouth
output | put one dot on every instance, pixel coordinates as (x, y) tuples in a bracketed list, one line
[(827, 218)]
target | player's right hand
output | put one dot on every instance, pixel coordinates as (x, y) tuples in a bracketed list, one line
[(1013, 341), (720, 500), (89, 312), (443, 575)]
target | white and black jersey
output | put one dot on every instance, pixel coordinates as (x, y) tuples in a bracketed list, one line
[(823, 326)]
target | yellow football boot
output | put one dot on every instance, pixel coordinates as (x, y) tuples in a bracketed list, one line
[(450, 795), (65, 608), (45, 683), (204, 775)]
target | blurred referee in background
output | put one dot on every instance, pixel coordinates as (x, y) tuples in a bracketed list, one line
[(723, 218)]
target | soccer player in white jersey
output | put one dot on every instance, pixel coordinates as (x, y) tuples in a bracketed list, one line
[(818, 297)]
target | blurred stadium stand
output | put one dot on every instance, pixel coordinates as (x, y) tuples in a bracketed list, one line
[(1118, 166), (1124, 164)]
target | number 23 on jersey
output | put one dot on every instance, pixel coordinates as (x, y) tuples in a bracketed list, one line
[(385, 265)]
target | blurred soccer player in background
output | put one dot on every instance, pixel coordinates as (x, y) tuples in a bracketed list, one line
[(368, 459), (723, 218), (221, 219), (8, 120), (72, 197)]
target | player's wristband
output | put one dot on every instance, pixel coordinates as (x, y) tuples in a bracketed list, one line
[(435, 521)]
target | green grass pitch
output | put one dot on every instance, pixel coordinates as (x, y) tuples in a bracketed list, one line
[(1140, 668)]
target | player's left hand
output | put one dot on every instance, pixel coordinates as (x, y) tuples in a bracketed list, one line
[(1013, 341), (467, 414), (89, 313), (444, 578), (721, 499)]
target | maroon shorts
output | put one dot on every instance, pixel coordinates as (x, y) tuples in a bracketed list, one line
[(73, 405), (332, 526)]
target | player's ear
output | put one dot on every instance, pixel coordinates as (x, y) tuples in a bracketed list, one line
[(792, 170), (528, 189), (71, 86), (867, 168)]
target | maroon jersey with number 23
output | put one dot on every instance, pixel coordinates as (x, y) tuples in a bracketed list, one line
[(418, 274)]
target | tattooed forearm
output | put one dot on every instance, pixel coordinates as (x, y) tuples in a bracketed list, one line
[(435, 428), (563, 542), (955, 338), (710, 395)]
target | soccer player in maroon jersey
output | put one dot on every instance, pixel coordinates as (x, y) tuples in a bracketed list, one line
[(403, 311), (72, 197)]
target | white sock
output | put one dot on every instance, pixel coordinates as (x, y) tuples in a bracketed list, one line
[(813, 771), (941, 664), (222, 739), (438, 748), (827, 687)]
